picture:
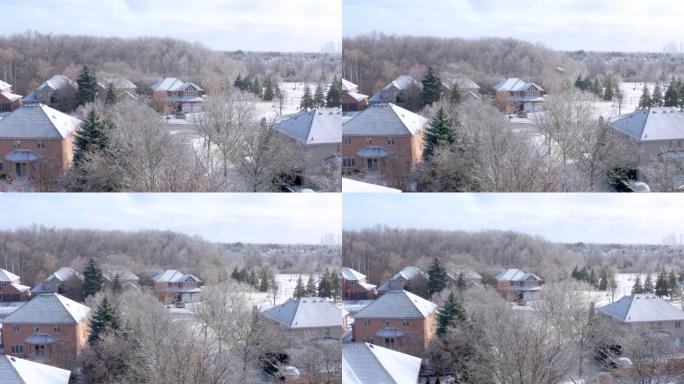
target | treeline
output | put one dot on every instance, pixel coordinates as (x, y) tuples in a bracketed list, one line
[(375, 59), (632, 66)]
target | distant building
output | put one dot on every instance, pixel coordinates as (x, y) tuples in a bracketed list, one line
[(8, 100), (172, 285), (467, 88), (355, 286), (397, 320), (172, 94), (11, 288), (517, 285), (14, 370), (352, 100), (127, 279), (382, 140), (36, 142), (471, 278), (404, 91), (310, 315), (364, 363), (59, 92), (50, 328), (124, 88), (411, 279), (514, 95), (65, 281), (649, 311)]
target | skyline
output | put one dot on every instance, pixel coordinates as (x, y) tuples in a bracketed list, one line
[(227, 218), (269, 25), (563, 218), (566, 25)]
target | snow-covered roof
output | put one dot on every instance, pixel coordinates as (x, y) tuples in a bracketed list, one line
[(173, 276), (408, 273), (49, 308), (364, 363), (462, 83), (348, 85), (118, 82), (123, 275), (351, 274), (385, 119), (398, 304), (318, 126), (355, 186), (172, 84), (37, 121), (63, 274), (10, 96), (57, 82), (652, 124), (514, 274), (468, 274), (4, 85), (357, 96), (7, 276), (307, 312), (642, 308), (515, 84), (401, 83), (14, 370)]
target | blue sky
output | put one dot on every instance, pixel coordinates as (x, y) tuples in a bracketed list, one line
[(262, 25), (595, 218), (603, 25), (249, 218)]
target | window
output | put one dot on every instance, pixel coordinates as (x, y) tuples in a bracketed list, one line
[(389, 342), (40, 144), (3, 284), (390, 141), (36, 329), (346, 140), (1, 165), (406, 323), (385, 323), (678, 324), (17, 349), (368, 140), (15, 328), (348, 162), (58, 329), (16, 143), (366, 323)]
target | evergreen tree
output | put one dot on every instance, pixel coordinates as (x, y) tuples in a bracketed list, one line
[(268, 92), (657, 98), (244, 275), (648, 284), (91, 136), (593, 280), (105, 319), (437, 277), (661, 285), (93, 281), (603, 283), (332, 98), (319, 97), (311, 287), (325, 285), (461, 282), (432, 87), (235, 274), (637, 288), (300, 289), (672, 283), (111, 97), (256, 88), (645, 101), (455, 98), (680, 93), (307, 101), (117, 287), (253, 279), (449, 314), (596, 87), (440, 132), (238, 82), (335, 286), (608, 89), (263, 280), (671, 98), (87, 87), (579, 82)]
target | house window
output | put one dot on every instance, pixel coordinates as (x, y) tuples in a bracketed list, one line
[(1, 166), (390, 141), (36, 329), (15, 328), (346, 140), (16, 143), (368, 140), (40, 144), (406, 323), (389, 342), (3, 284), (348, 162), (678, 324), (17, 349), (58, 329), (385, 323), (367, 323)]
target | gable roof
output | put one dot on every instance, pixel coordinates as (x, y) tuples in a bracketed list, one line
[(14, 370), (462, 83), (49, 308), (172, 84), (348, 85), (351, 274), (173, 276), (468, 274), (124, 275), (118, 82), (7, 276), (364, 363), (318, 126), (37, 121), (515, 274), (384, 119), (515, 84), (398, 304), (652, 124), (642, 308), (306, 312), (4, 85), (401, 83), (57, 82)]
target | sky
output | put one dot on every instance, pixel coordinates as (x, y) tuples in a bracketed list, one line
[(567, 218), (293, 218), (592, 25), (262, 25)]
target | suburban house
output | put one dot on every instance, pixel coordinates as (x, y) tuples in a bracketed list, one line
[(516, 285), (355, 287), (397, 320), (382, 140), (36, 142), (470, 277), (320, 132), (8, 100), (124, 88), (657, 132), (65, 281), (411, 279), (50, 328), (58, 92), (11, 288), (649, 311), (172, 95), (364, 363), (514, 95), (127, 279), (310, 315), (404, 91), (467, 88), (172, 285), (352, 100), (14, 370)]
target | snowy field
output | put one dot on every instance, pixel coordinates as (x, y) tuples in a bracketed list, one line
[(624, 281), (631, 92)]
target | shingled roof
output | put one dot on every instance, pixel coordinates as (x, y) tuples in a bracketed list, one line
[(351, 274), (14, 370), (37, 121), (306, 313), (642, 308), (384, 119), (49, 308), (318, 126), (398, 304), (364, 363)]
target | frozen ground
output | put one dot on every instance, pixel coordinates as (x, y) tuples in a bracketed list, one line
[(624, 281)]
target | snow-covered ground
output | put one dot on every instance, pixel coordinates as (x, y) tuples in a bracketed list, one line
[(286, 286), (632, 94), (625, 282), (293, 96)]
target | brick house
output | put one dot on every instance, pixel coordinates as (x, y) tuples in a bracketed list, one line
[(382, 140), (175, 95), (172, 285), (404, 91), (36, 143), (397, 320), (65, 281), (470, 277), (514, 95), (59, 92), (351, 99), (11, 288), (467, 88), (8, 100), (364, 363), (355, 286), (14, 370), (517, 285), (49, 328), (123, 88), (310, 316)]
